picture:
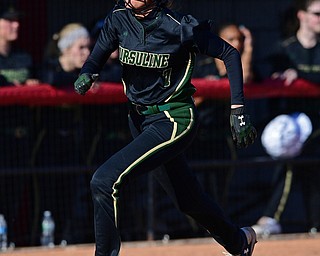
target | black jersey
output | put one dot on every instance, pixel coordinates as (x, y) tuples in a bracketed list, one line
[(305, 61), (16, 67), (53, 74), (157, 54)]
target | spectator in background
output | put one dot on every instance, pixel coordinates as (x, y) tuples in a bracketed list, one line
[(15, 70), (297, 57), (239, 37), (65, 55), (17, 126), (16, 66), (62, 127)]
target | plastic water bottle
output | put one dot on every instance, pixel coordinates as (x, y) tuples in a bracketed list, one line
[(3, 233), (47, 236)]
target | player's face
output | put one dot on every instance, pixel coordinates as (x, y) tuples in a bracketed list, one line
[(137, 4), (9, 30), (141, 8)]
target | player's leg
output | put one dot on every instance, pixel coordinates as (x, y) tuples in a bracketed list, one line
[(162, 137), (182, 186)]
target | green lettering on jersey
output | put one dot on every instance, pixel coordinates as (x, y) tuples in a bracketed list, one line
[(19, 75), (143, 59), (132, 56), (126, 56), (138, 60), (165, 60), (157, 60)]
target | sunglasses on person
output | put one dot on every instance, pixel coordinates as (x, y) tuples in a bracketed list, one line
[(314, 13)]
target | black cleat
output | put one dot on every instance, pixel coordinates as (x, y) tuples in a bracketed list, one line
[(251, 241)]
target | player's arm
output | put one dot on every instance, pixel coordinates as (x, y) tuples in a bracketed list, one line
[(212, 45), (243, 133), (103, 48), (90, 71)]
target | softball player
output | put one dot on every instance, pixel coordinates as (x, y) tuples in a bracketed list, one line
[(157, 47)]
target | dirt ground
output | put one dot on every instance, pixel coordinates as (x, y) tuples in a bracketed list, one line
[(280, 245)]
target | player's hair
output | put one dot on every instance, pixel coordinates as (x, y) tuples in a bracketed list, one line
[(226, 25), (303, 4), (147, 7), (290, 22)]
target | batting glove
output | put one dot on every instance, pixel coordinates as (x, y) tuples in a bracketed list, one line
[(84, 82), (243, 133)]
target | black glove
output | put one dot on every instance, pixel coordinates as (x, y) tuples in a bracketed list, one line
[(243, 133), (84, 82)]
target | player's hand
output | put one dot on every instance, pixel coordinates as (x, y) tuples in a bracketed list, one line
[(84, 82), (243, 133)]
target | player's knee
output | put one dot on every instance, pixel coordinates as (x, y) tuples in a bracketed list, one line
[(100, 184), (95, 185)]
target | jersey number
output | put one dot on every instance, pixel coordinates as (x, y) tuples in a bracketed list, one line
[(167, 77)]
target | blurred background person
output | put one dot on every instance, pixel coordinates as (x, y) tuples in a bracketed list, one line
[(16, 66), (66, 52), (239, 37), (297, 57), (61, 135), (65, 55), (17, 124)]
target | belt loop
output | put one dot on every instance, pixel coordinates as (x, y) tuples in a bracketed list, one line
[(154, 109)]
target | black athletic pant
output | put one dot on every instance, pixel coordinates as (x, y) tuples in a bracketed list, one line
[(159, 140)]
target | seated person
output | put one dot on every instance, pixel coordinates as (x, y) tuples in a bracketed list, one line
[(15, 65), (62, 144), (65, 55), (297, 57), (239, 37)]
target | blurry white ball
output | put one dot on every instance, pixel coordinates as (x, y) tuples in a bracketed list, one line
[(283, 136)]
